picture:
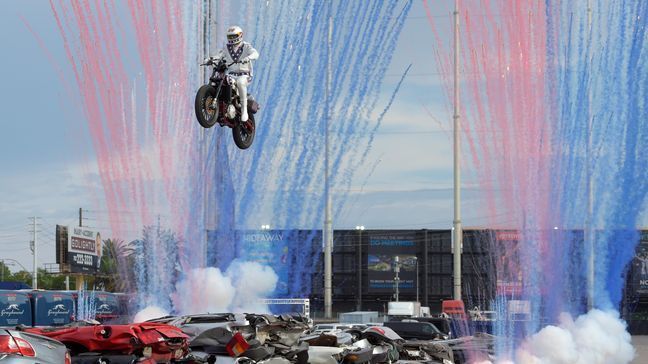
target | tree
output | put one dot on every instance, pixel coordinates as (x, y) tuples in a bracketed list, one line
[(5, 272), (115, 266), (50, 281), (22, 276)]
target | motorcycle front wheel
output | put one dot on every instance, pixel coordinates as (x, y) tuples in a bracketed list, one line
[(243, 133), (205, 113)]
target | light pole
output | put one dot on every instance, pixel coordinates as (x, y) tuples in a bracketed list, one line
[(417, 279), (359, 229), (396, 278), (327, 234), (456, 223), (589, 236)]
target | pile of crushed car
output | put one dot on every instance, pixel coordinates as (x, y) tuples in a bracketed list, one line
[(230, 338)]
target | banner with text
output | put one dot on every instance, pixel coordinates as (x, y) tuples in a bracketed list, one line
[(270, 248), (383, 249), (83, 250), (640, 266)]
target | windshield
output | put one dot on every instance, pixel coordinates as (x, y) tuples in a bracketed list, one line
[(431, 329)]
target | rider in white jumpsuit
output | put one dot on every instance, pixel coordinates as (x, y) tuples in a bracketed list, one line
[(239, 54)]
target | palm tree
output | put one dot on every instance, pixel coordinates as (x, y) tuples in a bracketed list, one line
[(115, 266)]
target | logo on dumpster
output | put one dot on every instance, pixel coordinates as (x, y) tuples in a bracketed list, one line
[(58, 309), (12, 310)]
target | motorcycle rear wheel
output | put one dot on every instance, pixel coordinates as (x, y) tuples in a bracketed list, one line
[(243, 133), (205, 114)]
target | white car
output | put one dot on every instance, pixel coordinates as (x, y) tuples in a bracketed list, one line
[(17, 347)]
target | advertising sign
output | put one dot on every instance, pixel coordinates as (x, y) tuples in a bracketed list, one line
[(381, 260), (269, 248), (640, 265), (83, 250), (53, 308), (15, 309), (509, 278)]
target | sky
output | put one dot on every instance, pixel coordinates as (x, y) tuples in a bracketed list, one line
[(48, 163), (49, 168)]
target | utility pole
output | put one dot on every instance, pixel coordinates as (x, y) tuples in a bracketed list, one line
[(34, 249), (80, 279), (328, 223), (457, 231)]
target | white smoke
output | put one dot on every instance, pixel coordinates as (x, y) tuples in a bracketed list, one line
[(252, 281), (238, 289), (150, 312), (203, 290), (598, 337)]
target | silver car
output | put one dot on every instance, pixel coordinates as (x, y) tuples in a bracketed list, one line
[(22, 348)]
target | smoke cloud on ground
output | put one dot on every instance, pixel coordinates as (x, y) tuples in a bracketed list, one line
[(598, 337), (238, 289), (149, 313)]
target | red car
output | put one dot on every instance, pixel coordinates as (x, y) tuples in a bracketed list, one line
[(159, 342)]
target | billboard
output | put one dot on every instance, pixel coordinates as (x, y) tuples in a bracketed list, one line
[(509, 277), (83, 250), (292, 254), (383, 249), (269, 248), (640, 265)]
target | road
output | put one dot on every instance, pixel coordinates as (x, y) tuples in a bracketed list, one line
[(640, 343)]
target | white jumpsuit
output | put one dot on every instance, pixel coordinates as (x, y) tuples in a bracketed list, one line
[(245, 53)]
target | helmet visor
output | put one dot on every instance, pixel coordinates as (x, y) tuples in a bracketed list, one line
[(233, 36)]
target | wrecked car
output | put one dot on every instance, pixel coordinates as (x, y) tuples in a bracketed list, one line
[(263, 337), (286, 339), (160, 343)]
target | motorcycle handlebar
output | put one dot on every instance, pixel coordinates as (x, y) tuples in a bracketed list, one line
[(211, 62)]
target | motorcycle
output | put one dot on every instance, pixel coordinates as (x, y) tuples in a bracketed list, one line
[(218, 101)]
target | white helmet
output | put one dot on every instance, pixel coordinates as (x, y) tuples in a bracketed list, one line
[(234, 35)]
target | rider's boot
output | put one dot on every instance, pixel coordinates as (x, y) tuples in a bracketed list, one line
[(241, 83)]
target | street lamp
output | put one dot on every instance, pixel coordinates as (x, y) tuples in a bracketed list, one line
[(265, 227), (396, 278), (359, 229), (13, 261)]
